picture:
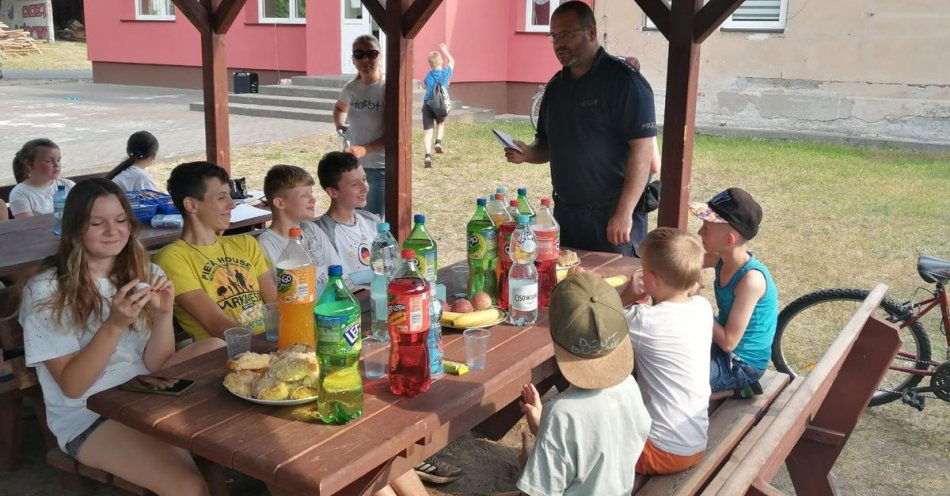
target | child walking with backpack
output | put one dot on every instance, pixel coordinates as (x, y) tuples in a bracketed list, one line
[(436, 104)]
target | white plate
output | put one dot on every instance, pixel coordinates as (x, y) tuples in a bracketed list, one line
[(274, 402)]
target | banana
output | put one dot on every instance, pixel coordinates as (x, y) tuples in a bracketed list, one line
[(476, 319), (450, 316), (616, 281)]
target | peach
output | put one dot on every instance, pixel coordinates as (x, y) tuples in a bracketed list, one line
[(462, 305), (481, 301)]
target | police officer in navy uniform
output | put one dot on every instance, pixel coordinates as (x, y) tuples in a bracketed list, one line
[(597, 127)]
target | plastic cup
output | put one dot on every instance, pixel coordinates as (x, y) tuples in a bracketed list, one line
[(375, 357), (271, 321), (238, 340), (458, 279), (476, 347)]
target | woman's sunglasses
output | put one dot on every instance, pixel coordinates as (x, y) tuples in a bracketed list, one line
[(365, 54)]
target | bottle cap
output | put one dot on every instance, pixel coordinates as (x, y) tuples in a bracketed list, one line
[(522, 191), (419, 219), (499, 196), (407, 254), (523, 218), (382, 227), (514, 203), (335, 271), (546, 202), (295, 232), (61, 187), (481, 202), (500, 190)]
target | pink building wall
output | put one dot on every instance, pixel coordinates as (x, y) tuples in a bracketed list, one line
[(486, 37)]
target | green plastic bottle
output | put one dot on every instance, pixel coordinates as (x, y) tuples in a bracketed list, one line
[(523, 206), (425, 248), (482, 253), (338, 347)]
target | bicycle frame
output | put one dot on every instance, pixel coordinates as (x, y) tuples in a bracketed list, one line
[(920, 309)]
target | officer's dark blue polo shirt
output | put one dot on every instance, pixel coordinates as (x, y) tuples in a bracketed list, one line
[(586, 124)]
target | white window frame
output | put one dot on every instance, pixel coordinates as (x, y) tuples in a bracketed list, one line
[(761, 26), (281, 20), (538, 28), (139, 16)]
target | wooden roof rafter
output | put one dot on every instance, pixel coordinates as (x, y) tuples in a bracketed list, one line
[(378, 12)]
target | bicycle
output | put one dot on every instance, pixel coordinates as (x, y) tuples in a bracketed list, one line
[(808, 325)]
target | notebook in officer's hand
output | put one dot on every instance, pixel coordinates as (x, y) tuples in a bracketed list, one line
[(506, 140)]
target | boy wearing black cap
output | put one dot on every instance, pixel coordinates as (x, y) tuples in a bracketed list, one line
[(590, 437), (745, 292)]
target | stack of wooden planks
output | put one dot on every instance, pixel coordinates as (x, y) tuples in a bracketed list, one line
[(16, 42)]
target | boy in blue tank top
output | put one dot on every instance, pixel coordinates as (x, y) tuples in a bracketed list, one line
[(745, 292)]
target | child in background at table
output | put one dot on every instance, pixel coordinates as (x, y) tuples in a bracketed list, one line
[(87, 329), (130, 174), (350, 229), (745, 292), (442, 64), (590, 436), (36, 168), (671, 339), (220, 281), (289, 192)]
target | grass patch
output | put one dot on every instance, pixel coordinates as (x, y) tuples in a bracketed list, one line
[(834, 216), (59, 56)]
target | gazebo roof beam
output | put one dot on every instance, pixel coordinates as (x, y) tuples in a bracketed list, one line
[(196, 13), (711, 16), (659, 13), (378, 12), (416, 16)]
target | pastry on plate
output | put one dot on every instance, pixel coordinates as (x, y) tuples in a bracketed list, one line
[(249, 361), (302, 392), (269, 388), (291, 367), (241, 382)]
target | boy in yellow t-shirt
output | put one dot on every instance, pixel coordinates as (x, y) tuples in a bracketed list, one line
[(220, 281)]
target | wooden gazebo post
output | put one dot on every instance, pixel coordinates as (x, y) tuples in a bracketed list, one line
[(212, 19), (685, 25), (401, 20)]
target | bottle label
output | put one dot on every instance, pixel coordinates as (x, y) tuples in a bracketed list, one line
[(427, 265), (338, 334), (296, 285), (409, 313), (482, 244), (524, 298), (548, 244)]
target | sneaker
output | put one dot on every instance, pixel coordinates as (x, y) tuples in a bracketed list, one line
[(438, 146), (437, 472), (428, 161)]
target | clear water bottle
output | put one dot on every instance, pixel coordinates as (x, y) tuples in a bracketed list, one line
[(343, 138), (523, 277), (434, 341), (384, 259), (59, 204)]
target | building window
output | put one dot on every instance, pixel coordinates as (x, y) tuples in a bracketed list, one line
[(752, 15), (154, 10), (758, 15), (283, 11), (538, 14)]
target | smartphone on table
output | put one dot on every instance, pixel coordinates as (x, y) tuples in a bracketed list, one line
[(158, 385)]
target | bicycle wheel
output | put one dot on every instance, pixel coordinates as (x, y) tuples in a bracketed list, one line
[(807, 327)]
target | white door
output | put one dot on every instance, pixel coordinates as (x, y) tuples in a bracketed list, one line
[(356, 21)]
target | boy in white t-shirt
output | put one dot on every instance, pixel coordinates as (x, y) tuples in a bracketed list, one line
[(349, 228), (671, 339), (289, 192), (36, 167), (589, 436)]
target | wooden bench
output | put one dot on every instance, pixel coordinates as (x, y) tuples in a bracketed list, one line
[(804, 424)]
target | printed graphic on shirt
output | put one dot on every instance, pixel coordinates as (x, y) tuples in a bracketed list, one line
[(364, 104), (234, 294), (364, 254)]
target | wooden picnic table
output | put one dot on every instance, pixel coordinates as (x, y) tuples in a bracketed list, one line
[(291, 452), (26, 242)]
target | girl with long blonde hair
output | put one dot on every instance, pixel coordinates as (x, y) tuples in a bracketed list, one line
[(89, 325)]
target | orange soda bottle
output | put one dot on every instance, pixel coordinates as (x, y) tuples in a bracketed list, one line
[(296, 293)]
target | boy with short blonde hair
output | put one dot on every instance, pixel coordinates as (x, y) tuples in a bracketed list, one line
[(289, 193), (671, 339)]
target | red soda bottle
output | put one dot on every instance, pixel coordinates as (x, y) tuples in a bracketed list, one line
[(548, 233), (408, 319), (504, 259)]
